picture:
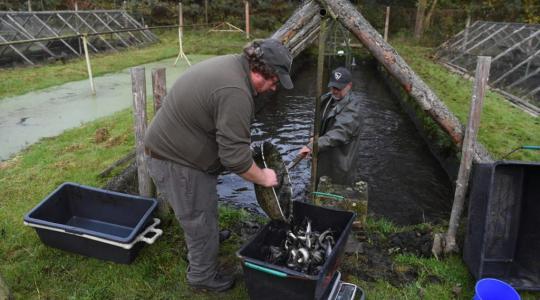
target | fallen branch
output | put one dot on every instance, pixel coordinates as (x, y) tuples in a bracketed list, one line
[(117, 163)]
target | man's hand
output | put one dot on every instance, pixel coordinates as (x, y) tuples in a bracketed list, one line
[(265, 177), (270, 178), (304, 151)]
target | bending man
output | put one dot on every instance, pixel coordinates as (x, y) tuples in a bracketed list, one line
[(203, 128)]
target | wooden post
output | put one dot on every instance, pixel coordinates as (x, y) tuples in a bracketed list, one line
[(88, 66), (466, 38), (247, 19), (159, 87), (419, 24), (138, 82), (206, 12), (467, 152), (181, 53), (386, 23), (320, 91)]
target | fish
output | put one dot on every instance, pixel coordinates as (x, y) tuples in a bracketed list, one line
[(276, 202)]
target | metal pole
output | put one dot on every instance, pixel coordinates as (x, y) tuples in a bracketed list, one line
[(247, 19), (320, 90), (76, 6), (386, 23), (88, 66), (29, 5)]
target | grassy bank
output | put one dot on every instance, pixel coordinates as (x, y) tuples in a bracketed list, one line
[(503, 126), (21, 80)]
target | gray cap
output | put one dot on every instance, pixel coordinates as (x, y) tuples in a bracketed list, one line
[(278, 57), (339, 78)]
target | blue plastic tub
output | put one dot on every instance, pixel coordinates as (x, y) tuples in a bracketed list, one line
[(494, 289), (95, 222)]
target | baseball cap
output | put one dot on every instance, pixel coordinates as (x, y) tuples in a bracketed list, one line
[(278, 57), (340, 78)]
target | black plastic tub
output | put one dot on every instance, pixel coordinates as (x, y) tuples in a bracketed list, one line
[(95, 222), (269, 281), (503, 236)]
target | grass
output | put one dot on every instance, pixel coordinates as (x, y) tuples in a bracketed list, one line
[(503, 126)]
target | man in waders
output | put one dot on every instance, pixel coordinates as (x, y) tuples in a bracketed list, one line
[(338, 129), (202, 129)]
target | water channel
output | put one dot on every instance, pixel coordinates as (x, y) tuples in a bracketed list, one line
[(406, 183), (27, 118)]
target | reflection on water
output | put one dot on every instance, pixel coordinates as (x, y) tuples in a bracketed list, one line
[(406, 183)]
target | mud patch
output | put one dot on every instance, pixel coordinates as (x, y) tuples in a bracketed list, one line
[(101, 135), (373, 259)]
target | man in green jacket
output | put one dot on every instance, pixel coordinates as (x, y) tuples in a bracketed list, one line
[(203, 128), (338, 131)]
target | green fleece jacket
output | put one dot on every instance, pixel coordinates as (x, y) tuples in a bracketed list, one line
[(204, 122)]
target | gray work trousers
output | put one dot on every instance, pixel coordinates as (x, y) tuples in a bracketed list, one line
[(192, 194)]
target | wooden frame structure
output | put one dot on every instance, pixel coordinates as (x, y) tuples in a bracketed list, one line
[(56, 34), (515, 48)]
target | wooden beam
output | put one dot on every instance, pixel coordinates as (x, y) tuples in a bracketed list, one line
[(347, 15)]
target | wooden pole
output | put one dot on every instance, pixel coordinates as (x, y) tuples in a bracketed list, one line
[(467, 25), (159, 87), (247, 19), (419, 24), (181, 53), (159, 90), (138, 82), (206, 12), (386, 23), (469, 141), (320, 91), (88, 65)]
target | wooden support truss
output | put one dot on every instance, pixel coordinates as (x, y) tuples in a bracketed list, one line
[(56, 34), (515, 52)]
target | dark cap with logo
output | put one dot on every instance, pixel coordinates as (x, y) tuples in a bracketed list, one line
[(278, 57), (339, 78)]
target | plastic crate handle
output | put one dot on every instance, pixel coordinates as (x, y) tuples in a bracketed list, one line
[(152, 228), (328, 195), (265, 270)]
